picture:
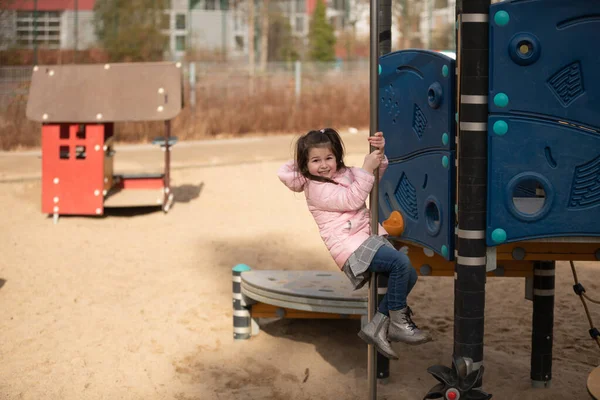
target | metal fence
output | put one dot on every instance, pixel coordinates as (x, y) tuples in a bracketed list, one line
[(199, 76), (14, 84)]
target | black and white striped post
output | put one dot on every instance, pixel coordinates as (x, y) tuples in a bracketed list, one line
[(470, 270), (542, 323), (242, 323)]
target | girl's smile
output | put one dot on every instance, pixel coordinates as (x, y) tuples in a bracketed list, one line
[(322, 162)]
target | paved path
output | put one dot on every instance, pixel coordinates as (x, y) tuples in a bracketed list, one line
[(26, 165)]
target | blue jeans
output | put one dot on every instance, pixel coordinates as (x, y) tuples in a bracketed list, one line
[(401, 277)]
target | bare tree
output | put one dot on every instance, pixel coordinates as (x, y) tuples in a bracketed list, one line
[(264, 35), (251, 60), (408, 16), (6, 21)]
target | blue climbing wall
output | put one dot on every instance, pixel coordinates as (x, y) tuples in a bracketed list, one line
[(416, 115), (544, 123)]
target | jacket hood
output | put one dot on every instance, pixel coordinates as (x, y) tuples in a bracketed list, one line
[(290, 176)]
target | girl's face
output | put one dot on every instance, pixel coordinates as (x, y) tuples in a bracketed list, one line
[(322, 162)]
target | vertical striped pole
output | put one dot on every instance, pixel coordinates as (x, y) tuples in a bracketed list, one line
[(385, 47), (241, 314), (470, 272), (543, 323)]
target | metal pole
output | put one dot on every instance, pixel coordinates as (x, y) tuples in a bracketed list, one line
[(35, 46), (542, 332), (385, 47), (374, 197), (167, 178), (298, 79), (470, 272), (76, 30)]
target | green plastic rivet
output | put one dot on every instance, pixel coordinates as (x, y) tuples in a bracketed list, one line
[(445, 161), (379, 69), (456, 117), (501, 18), (445, 251), (500, 127), (499, 235), (444, 139), (445, 71), (501, 100), (456, 208), (241, 268)]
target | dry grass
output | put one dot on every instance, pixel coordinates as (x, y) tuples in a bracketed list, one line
[(239, 106)]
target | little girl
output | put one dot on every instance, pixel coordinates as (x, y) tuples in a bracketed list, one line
[(336, 197)]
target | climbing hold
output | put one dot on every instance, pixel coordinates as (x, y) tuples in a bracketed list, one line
[(241, 268), (501, 18), (379, 69), (501, 100), (445, 71), (445, 251), (445, 161), (394, 225), (499, 236), (445, 139), (500, 128), (425, 269)]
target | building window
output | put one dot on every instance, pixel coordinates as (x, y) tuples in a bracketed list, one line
[(180, 21), (300, 6), (299, 24), (180, 43), (44, 31), (165, 21), (210, 5)]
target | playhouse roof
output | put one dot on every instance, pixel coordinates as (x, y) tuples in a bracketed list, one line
[(106, 92)]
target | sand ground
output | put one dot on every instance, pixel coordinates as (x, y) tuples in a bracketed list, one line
[(137, 304)]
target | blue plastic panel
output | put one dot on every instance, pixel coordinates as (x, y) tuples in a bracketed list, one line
[(544, 59), (553, 172), (421, 189), (416, 102)]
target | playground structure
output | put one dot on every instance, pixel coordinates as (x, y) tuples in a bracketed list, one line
[(494, 170), (78, 106)]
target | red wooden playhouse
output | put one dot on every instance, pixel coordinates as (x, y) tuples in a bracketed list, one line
[(78, 106)]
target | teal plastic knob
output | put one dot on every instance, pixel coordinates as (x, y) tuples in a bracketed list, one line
[(445, 251), (500, 128), (501, 18), (444, 139), (379, 69), (456, 117), (445, 161), (499, 235), (456, 208), (501, 100), (445, 71), (241, 268)]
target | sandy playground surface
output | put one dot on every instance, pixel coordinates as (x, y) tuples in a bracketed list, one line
[(137, 305)]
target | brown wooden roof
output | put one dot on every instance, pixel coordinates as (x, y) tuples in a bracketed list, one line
[(106, 92)]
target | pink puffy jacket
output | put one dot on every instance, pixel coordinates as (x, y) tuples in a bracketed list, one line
[(340, 211)]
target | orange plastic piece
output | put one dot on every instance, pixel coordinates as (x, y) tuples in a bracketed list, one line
[(394, 225)]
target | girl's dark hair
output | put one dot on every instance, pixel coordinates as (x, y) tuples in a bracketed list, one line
[(324, 138)]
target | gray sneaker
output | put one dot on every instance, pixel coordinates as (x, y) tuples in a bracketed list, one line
[(375, 333), (403, 329)]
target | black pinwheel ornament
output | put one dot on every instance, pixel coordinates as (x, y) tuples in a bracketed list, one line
[(456, 383)]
